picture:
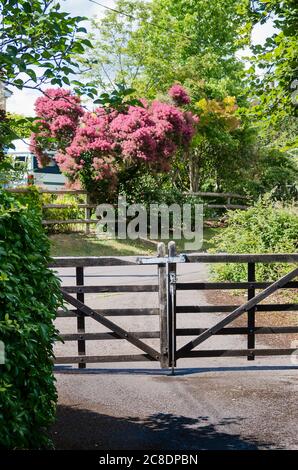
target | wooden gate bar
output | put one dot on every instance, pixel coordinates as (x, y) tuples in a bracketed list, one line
[(112, 326), (239, 352), (80, 318), (112, 312), (251, 342), (95, 359), (259, 330), (110, 335), (263, 308), (230, 285), (242, 258), (99, 289), (171, 274), (236, 313)]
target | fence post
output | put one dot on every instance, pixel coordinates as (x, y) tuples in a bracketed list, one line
[(80, 318), (172, 267), (87, 213), (162, 300), (251, 277)]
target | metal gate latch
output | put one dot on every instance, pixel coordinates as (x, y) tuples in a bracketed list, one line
[(163, 260)]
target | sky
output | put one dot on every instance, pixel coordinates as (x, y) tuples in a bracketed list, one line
[(22, 101)]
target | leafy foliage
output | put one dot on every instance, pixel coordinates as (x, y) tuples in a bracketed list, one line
[(277, 88), (157, 43), (21, 125), (264, 228), (29, 297), (73, 212), (37, 43)]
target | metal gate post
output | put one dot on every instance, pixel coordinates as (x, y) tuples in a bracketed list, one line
[(171, 279), (163, 313)]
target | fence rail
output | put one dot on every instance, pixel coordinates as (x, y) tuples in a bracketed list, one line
[(228, 205), (88, 221)]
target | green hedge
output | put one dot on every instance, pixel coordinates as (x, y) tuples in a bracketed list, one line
[(266, 227), (29, 297)]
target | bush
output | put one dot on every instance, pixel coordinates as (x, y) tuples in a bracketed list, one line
[(266, 227), (29, 297), (35, 199), (73, 212)]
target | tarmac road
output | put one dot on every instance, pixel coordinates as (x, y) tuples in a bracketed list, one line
[(214, 403)]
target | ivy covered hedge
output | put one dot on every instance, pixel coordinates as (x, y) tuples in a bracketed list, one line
[(29, 297)]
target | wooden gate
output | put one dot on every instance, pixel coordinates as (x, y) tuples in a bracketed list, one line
[(77, 307), (166, 288), (252, 306)]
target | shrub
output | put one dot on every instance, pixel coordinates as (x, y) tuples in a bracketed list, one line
[(266, 227), (33, 198), (91, 147), (29, 297), (73, 212)]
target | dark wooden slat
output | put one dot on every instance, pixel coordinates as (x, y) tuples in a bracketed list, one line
[(113, 312), (172, 298), (48, 191), (80, 318), (226, 206), (201, 258), (230, 285), (163, 310), (70, 261), (243, 258), (64, 206), (262, 330), (69, 221), (229, 308), (221, 195), (237, 352), (239, 311), (259, 330), (95, 359), (107, 336), (251, 313), (111, 326), (99, 289)]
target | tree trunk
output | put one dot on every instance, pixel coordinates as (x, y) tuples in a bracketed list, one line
[(194, 171)]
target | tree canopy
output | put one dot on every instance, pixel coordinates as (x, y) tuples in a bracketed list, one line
[(273, 75), (150, 45)]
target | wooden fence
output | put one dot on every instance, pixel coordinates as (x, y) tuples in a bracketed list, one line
[(166, 288), (227, 205), (87, 220)]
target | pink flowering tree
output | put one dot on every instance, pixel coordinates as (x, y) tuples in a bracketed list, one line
[(93, 148)]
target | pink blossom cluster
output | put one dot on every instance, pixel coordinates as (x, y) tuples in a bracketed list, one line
[(179, 95), (58, 112), (102, 140)]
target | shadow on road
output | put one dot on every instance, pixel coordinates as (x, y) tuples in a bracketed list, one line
[(164, 372), (84, 429)]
